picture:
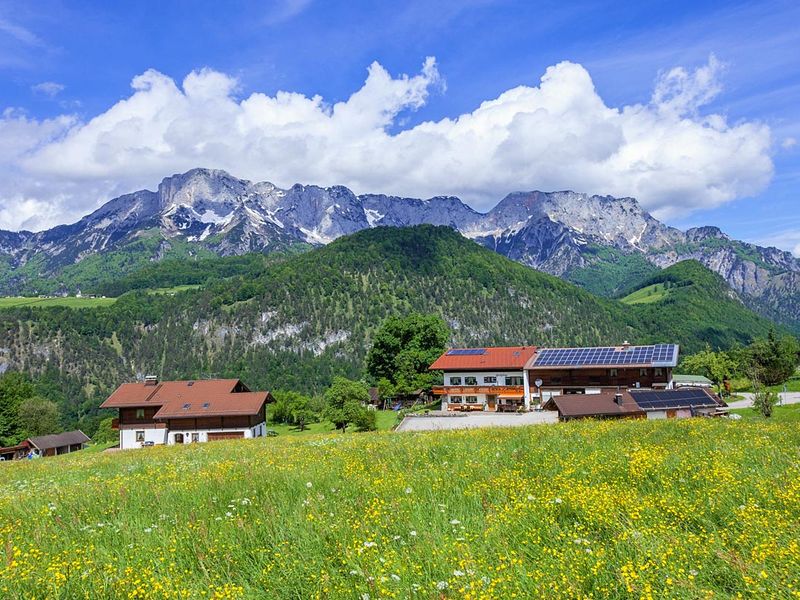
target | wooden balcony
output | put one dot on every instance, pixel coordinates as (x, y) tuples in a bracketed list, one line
[(473, 390)]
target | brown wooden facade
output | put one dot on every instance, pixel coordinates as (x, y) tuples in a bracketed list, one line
[(628, 377), (134, 418)]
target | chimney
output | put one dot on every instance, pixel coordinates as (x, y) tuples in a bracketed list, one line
[(626, 344), (151, 379), (618, 398)]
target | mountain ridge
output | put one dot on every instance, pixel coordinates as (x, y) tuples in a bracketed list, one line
[(206, 211)]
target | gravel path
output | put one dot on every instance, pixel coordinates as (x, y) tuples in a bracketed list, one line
[(787, 398), (474, 420)]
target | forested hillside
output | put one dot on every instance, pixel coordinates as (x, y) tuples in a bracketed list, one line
[(293, 323)]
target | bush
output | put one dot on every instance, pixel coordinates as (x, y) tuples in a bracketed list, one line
[(105, 433), (764, 401)]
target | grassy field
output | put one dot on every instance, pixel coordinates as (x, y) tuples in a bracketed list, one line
[(639, 509), (786, 414), (742, 384), (72, 302), (384, 420), (646, 295)]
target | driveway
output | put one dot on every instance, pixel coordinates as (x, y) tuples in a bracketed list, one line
[(474, 420), (787, 398)]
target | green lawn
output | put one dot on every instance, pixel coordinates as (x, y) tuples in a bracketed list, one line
[(694, 508), (781, 414), (646, 295), (742, 384), (384, 420), (71, 302)]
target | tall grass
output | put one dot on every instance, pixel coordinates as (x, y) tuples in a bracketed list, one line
[(688, 509)]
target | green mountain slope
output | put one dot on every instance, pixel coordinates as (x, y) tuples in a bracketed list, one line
[(609, 271), (294, 323), (689, 302)]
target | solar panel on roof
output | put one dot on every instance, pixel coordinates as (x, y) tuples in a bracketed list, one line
[(667, 399), (657, 355), (466, 352)]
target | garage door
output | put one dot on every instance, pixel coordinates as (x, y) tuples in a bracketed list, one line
[(214, 436)]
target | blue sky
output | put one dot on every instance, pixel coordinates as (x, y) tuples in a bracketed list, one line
[(63, 64)]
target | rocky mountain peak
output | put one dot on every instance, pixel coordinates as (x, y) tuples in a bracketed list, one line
[(707, 232), (557, 232)]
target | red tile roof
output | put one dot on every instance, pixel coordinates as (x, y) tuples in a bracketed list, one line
[(506, 357), (180, 399), (242, 403), (595, 405)]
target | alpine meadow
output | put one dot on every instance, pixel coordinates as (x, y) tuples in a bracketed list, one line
[(399, 300)]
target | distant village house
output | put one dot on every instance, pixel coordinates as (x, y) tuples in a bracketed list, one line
[(154, 412), (46, 445)]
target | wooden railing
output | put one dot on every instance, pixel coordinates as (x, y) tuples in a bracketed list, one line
[(472, 390)]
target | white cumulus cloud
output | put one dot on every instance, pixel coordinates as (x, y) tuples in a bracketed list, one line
[(556, 135)]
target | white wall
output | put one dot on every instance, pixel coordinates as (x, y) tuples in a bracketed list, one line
[(656, 414), (479, 375), (127, 437)]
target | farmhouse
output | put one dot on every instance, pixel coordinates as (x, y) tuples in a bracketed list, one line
[(46, 445), (182, 412), (492, 379), (564, 371), (514, 378)]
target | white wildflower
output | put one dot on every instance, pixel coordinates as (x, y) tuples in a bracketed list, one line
[(441, 585)]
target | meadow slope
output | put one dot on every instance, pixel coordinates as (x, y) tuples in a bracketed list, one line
[(688, 509)]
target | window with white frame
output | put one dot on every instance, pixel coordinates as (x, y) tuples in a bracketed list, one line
[(470, 381), (455, 381), (490, 379), (472, 399), (140, 436), (456, 399)]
